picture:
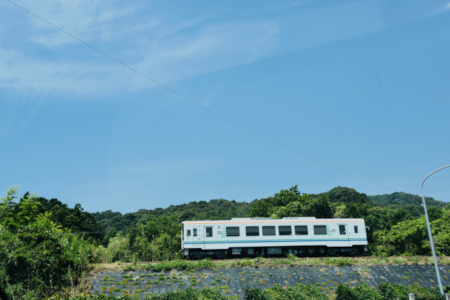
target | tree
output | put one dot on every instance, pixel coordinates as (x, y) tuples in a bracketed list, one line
[(8, 207), (28, 208)]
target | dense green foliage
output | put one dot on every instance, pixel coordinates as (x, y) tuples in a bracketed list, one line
[(359, 292), (387, 291), (157, 239), (219, 209), (37, 257), (405, 199), (395, 229), (400, 292), (291, 203)]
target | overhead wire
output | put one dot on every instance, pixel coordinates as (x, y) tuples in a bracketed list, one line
[(198, 104)]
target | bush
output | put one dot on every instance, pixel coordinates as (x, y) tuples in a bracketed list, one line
[(393, 291), (300, 291), (256, 294), (359, 292), (400, 292), (425, 293)]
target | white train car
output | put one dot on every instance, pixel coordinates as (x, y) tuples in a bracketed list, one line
[(266, 236)]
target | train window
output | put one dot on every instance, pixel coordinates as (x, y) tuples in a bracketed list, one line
[(301, 230), (284, 230), (232, 231), (320, 229), (268, 230), (252, 230), (188, 232), (209, 232), (356, 229), (342, 229), (195, 231)]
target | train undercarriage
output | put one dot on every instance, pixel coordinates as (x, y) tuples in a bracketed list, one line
[(311, 251)]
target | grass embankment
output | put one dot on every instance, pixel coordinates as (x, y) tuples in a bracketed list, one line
[(272, 262)]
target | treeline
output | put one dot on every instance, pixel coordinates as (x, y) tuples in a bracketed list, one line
[(218, 209), (395, 229)]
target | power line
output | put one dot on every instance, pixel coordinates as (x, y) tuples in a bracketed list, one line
[(198, 104)]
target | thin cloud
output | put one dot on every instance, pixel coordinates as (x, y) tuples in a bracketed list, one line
[(169, 52)]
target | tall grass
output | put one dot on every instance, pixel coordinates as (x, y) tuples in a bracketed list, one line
[(290, 260), (173, 265)]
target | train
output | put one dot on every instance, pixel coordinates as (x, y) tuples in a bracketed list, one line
[(255, 237)]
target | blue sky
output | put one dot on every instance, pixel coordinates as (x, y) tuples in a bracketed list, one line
[(359, 85)]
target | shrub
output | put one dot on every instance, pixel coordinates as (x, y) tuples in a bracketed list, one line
[(425, 293), (393, 291), (256, 293), (300, 291), (359, 292)]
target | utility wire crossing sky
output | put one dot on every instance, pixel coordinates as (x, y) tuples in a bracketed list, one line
[(194, 102), (349, 89)]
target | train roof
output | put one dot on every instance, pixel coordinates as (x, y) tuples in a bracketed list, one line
[(270, 220)]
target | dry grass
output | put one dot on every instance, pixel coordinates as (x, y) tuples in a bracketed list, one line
[(290, 261)]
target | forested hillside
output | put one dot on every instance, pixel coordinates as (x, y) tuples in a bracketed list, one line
[(342, 199), (405, 199), (219, 209)]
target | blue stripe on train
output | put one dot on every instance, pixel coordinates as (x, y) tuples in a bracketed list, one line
[(278, 241)]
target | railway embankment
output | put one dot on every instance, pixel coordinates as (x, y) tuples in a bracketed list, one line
[(232, 276)]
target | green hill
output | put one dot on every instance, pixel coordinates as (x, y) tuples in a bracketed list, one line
[(405, 199), (218, 209), (221, 209)]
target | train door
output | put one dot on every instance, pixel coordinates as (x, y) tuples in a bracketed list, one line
[(343, 235), (208, 236), (197, 236)]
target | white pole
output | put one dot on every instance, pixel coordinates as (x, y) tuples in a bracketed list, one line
[(436, 266)]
